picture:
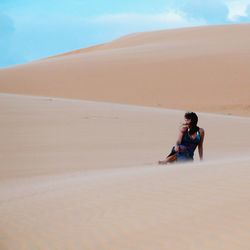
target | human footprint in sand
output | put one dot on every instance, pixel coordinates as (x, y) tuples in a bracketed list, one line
[(190, 136)]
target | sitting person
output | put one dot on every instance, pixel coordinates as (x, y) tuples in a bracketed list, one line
[(189, 138)]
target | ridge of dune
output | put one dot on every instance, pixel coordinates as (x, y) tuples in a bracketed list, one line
[(203, 69), (163, 36), (78, 51)]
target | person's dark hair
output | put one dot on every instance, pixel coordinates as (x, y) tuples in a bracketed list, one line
[(194, 120)]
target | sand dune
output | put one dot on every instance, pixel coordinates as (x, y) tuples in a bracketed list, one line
[(82, 175), (49, 135), (204, 69)]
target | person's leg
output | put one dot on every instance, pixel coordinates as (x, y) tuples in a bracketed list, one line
[(170, 159)]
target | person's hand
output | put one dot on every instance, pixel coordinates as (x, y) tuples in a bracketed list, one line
[(183, 128), (177, 148)]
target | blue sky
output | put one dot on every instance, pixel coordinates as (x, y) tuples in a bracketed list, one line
[(30, 29)]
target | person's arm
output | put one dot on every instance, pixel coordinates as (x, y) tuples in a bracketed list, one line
[(178, 142), (200, 146), (183, 129)]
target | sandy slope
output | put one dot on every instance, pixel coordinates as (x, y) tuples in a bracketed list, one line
[(192, 207), (204, 68), (40, 135), (82, 175)]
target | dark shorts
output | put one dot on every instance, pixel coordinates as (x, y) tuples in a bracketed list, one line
[(184, 156), (181, 156)]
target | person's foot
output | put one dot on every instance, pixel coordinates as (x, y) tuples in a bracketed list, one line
[(162, 162)]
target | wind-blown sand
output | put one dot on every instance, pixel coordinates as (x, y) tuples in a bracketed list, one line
[(79, 174), (83, 175)]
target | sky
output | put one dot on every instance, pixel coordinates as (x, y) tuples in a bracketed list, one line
[(30, 30)]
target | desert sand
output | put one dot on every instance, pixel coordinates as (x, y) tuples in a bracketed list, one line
[(80, 141), (202, 68)]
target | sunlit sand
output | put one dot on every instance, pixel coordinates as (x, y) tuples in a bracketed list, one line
[(80, 145)]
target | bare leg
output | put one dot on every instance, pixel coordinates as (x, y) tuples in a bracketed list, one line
[(169, 159)]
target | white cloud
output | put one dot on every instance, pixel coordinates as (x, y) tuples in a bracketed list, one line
[(237, 8), (168, 19)]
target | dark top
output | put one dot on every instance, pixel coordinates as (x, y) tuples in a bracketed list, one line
[(188, 146)]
